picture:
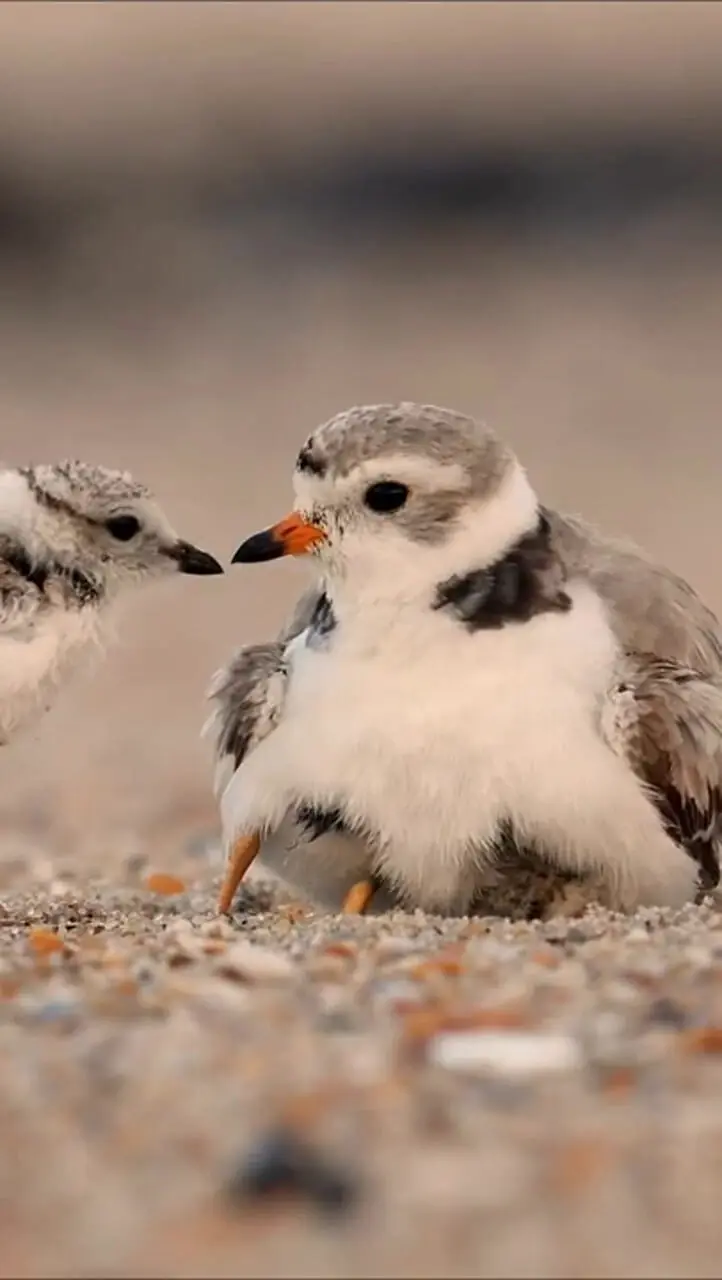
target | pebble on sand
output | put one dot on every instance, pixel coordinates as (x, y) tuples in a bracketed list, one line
[(281, 1162), (507, 1052)]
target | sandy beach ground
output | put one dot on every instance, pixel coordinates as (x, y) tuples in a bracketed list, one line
[(289, 1094)]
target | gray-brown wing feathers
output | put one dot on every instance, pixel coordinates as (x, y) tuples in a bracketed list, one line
[(669, 719), (248, 695), (249, 692), (679, 724)]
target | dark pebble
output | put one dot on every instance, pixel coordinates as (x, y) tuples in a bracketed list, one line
[(282, 1162), (338, 1020), (575, 934), (668, 1013)]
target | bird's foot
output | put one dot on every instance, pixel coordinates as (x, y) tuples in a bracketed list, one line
[(359, 897)]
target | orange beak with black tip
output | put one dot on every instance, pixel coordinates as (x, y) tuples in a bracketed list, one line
[(293, 536)]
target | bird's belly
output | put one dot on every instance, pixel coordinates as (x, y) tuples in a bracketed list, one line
[(431, 759), (432, 780), (31, 668)]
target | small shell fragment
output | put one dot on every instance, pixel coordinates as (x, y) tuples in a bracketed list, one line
[(702, 1040), (44, 942), (511, 1053), (162, 883), (249, 962)]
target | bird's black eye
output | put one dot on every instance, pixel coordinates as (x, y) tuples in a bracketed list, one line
[(386, 495), (123, 527)]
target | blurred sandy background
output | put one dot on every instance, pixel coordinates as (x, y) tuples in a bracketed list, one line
[(220, 224)]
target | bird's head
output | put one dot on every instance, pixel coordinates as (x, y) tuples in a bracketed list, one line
[(394, 498), (100, 522)]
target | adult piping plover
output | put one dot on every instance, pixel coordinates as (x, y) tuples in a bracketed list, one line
[(475, 673), (71, 535)]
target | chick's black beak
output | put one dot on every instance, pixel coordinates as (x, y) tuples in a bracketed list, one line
[(191, 559)]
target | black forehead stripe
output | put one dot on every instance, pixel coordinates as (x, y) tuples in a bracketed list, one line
[(309, 461)]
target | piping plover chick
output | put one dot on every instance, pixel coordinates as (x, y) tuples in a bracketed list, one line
[(72, 535), (480, 672)]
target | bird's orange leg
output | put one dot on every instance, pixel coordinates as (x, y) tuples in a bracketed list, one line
[(358, 897), (243, 853)]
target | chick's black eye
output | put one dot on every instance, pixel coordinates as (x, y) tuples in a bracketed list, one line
[(123, 527), (386, 495)]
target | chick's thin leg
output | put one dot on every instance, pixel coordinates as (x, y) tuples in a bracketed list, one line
[(244, 851)]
